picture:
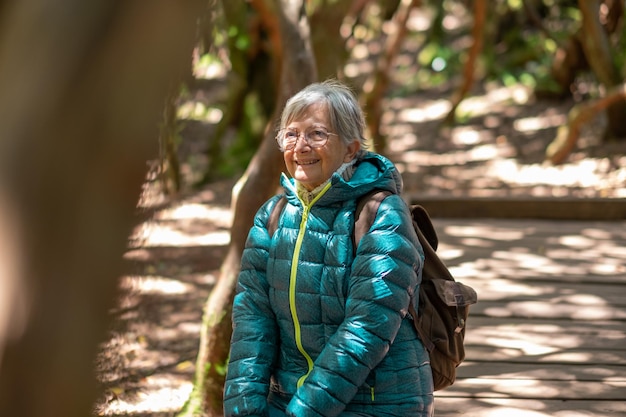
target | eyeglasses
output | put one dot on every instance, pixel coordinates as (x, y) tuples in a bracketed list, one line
[(314, 136)]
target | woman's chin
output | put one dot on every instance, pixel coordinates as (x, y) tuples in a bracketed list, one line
[(307, 183)]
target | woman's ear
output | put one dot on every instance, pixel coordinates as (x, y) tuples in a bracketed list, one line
[(352, 150)]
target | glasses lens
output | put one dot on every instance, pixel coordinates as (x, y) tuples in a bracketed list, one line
[(289, 137), (315, 137)]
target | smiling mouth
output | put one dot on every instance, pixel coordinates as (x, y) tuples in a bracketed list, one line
[(307, 162)]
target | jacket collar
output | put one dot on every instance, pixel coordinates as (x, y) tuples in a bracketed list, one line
[(369, 172)]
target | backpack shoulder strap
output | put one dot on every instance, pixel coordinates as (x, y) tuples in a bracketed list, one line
[(365, 213), (272, 222), (425, 225)]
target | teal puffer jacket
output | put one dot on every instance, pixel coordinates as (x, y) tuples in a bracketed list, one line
[(318, 330)]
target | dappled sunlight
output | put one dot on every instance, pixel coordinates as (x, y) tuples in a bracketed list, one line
[(165, 392), (601, 258), (523, 347), (182, 226), (548, 371), (483, 231), (195, 110), (496, 288), (468, 136), (513, 407), (220, 216), (533, 124), (591, 252), (536, 388), (173, 261), (210, 68), (473, 106), (482, 105), (430, 111), (163, 235), (585, 173), (517, 261), (354, 69), (529, 388), (540, 336), (548, 326), (454, 160), (557, 309), (492, 150), (576, 241), (519, 265), (157, 285)]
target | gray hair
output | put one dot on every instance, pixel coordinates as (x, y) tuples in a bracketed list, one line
[(345, 114)]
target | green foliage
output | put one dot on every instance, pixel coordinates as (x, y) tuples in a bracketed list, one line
[(248, 136), (239, 39)]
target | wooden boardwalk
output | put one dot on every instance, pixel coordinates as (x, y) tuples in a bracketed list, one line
[(548, 336)]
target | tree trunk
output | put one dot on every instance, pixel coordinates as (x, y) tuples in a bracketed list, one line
[(598, 52), (83, 87), (567, 136), (568, 61), (257, 184), (326, 39), (480, 13), (376, 86)]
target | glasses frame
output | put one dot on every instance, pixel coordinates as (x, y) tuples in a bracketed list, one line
[(302, 134)]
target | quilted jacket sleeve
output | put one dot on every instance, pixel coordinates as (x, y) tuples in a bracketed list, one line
[(253, 343), (385, 273)]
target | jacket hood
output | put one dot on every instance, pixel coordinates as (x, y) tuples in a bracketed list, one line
[(370, 172)]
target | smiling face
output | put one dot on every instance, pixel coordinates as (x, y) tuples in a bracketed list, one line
[(312, 166)]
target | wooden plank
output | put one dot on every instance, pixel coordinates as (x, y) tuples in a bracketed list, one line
[(551, 251), (504, 354), (470, 264), (542, 371), (475, 275), (536, 389), (544, 336), (549, 309), (583, 293), (469, 227), (557, 208), (512, 407), (547, 337)]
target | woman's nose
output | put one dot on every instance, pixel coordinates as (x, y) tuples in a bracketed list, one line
[(301, 143)]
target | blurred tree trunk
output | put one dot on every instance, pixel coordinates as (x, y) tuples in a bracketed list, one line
[(257, 184), (597, 48), (377, 85), (568, 61), (235, 14), (250, 30), (478, 28), (328, 44), (169, 164), (83, 87), (567, 136)]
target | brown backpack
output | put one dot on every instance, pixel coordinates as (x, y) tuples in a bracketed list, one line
[(443, 302)]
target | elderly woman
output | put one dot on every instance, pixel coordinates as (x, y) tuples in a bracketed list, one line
[(320, 328)]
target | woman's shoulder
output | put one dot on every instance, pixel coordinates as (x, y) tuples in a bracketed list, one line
[(374, 171)]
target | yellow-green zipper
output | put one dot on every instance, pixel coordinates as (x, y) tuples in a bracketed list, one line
[(292, 284)]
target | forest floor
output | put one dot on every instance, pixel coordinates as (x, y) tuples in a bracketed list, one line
[(147, 363)]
